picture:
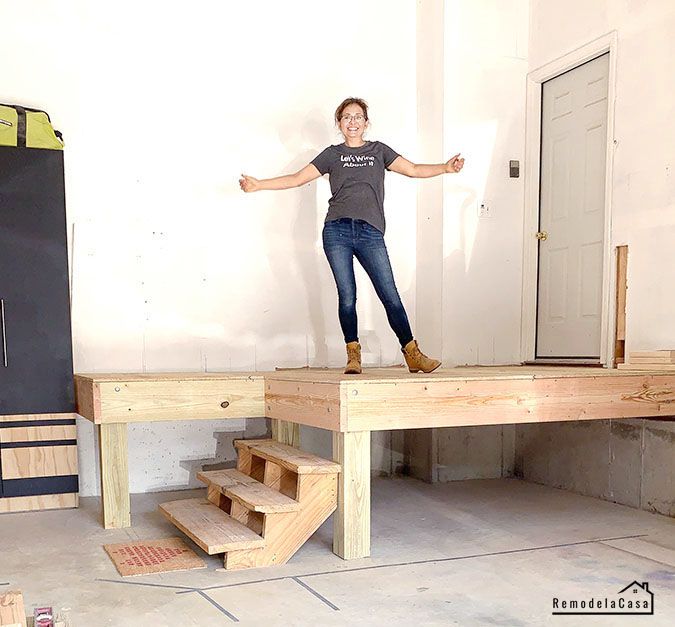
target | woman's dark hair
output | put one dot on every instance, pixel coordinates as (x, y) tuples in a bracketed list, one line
[(346, 102)]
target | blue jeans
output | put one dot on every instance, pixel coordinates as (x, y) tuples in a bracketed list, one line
[(345, 239)]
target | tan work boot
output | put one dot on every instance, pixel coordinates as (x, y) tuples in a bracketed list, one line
[(417, 360), (353, 358)]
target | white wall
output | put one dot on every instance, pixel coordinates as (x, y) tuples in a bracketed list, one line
[(162, 105), (643, 205), (477, 59), (485, 69)]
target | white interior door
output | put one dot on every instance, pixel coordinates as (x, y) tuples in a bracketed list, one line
[(572, 212)]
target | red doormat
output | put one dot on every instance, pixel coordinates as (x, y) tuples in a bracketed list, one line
[(146, 557)]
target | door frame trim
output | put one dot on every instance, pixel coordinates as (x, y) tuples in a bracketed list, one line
[(535, 78)]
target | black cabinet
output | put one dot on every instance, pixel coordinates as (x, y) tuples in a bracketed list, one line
[(38, 445), (36, 369)]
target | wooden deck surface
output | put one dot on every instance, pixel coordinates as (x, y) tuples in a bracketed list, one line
[(381, 398)]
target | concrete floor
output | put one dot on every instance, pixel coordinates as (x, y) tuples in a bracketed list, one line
[(482, 552)]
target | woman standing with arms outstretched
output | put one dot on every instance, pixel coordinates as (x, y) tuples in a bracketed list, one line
[(355, 223)]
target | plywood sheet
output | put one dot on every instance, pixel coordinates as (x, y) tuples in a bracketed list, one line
[(44, 501), (38, 434), (39, 461)]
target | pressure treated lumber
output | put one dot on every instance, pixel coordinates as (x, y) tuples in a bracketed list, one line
[(385, 399), (286, 432), (114, 475), (288, 457), (666, 356), (254, 495), (286, 532), (351, 527), (209, 526), (621, 291), (648, 367), (112, 398)]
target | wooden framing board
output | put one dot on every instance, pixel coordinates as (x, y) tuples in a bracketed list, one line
[(286, 432), (314, 403), (116, 398), (621, 291), (383, 400), (653, 368)]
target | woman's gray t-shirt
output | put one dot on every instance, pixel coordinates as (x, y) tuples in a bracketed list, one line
[(356, 180)]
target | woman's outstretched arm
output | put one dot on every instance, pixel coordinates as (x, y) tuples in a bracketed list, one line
[(425, 171), (301, 177)]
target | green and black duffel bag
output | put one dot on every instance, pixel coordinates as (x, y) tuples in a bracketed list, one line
[(27, 128)]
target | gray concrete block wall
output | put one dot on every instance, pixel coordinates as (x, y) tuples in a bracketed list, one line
[(457, 453), (631, 462), (475, 452)]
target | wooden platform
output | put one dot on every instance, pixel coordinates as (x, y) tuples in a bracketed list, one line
[(354, 405)]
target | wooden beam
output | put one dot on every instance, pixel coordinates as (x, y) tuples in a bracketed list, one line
[(317, 404), (351, 526), (114, 475), (286, 432), (621, 290), (169, 396), (87, 397), (410, 404)]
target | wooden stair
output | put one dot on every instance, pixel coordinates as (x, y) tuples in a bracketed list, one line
[(261, 513), (209, 526)]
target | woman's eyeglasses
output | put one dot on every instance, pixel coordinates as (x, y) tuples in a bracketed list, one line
[(357, 118)]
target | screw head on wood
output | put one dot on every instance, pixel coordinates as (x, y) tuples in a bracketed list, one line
[(117, 389), (225, 404)]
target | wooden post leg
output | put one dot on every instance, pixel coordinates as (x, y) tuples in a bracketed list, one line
[(351, 523), (286, 432), (112, 440)]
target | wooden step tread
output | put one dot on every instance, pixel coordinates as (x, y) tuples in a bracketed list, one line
[(209, 526), (246, 490), (288, 457)]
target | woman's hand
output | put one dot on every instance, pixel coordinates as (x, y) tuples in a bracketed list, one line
[(249, 184), (454, 164)]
